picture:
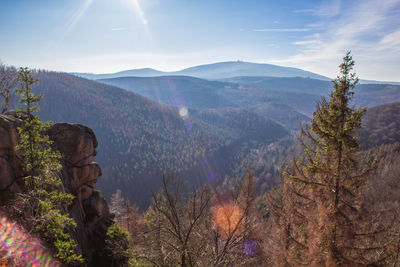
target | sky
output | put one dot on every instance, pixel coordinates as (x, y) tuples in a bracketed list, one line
[(104, 36)]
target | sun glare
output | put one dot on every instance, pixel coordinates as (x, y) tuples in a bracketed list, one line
[(135, 5), (80, 12)]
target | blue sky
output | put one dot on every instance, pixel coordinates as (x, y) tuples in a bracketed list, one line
[(102, 36)]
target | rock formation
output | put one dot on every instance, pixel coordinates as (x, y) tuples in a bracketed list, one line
[(8, 157), (90, 211)]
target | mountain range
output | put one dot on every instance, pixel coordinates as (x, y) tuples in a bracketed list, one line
[(223, 70), (288, 100), (220, 70)]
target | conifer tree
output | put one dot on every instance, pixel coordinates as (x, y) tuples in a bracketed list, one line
[(42, 199), (321, 190)]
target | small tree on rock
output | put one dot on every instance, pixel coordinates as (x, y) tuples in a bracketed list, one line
[(43, 197)]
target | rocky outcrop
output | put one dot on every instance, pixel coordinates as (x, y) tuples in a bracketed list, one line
[(9, 160), (77, 145)]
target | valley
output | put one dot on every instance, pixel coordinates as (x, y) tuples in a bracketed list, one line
[(143, 135)]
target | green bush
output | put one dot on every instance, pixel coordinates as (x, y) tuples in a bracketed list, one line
[(118, 242)]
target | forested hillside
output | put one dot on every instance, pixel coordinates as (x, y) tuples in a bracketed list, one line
[(176, 90), (288, 100), (141, 139), (381, 125)]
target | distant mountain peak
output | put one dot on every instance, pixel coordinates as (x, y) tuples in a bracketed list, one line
[(214, 71), (229, 69), (223, 70)]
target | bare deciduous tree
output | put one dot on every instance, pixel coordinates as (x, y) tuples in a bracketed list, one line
[(202, 228), (8, 80), (172, 221)]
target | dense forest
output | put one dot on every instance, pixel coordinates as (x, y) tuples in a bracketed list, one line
[(235, 187), (141, 139)]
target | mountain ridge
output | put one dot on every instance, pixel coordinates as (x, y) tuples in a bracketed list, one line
[(218, 70), (287, 100)]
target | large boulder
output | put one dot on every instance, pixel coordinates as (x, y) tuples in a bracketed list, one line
[(77, 145), (8, 157)]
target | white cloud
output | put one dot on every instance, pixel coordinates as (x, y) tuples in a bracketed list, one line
[(282, 30), (309, 10), (390, 41), (273, 45), (366, 27), (307, 42), (119, 29), (315, 25), (327, 8)]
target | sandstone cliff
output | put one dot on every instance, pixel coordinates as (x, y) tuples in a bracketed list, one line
[(77, 145)]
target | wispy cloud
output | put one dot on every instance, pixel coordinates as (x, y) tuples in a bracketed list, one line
[(282, 30), (315, 25), (367, 27), (327, 8), (119, 29), (330, 8), (273, 45), (308, 42), (390, 41), (309, 10)]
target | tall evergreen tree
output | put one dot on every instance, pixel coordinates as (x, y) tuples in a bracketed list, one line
[(321, 190), (43, 198), (332, 162)]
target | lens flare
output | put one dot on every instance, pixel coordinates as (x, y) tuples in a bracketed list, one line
[(19, 249), (250, 248), (213, 176), (228, 219), (183, 112)]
